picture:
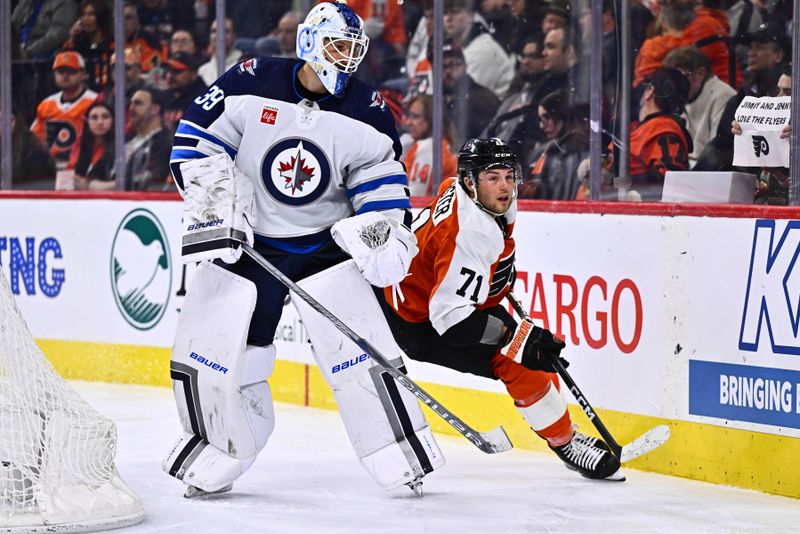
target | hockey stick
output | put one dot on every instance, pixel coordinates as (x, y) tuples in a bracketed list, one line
[(490, 442), (652, 439)]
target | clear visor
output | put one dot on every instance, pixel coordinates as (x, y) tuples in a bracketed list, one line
[(344, 50)]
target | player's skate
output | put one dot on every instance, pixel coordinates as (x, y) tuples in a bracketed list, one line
[(590, 457), (193, 492)]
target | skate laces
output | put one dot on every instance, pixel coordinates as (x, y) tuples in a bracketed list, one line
[(582, 452)]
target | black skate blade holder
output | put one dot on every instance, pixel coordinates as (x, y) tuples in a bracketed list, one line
[(650, 440)]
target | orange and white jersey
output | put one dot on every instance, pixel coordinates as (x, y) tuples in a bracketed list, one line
[(465, 260), (419, 165), (60, 124)]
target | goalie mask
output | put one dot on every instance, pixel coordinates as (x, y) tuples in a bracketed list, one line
[(332, 41), (485, 154)]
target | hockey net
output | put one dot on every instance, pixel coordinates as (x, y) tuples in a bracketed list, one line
[(57, 471)]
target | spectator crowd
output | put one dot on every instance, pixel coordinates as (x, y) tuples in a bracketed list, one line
[(513, 69)]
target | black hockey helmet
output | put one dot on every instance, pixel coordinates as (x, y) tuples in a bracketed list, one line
[(481, 154)]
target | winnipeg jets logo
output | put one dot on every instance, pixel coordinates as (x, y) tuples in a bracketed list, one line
[(295, 171), (377, 100), (248, 66)]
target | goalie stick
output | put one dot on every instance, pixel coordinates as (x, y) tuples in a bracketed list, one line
[(652, 439), (490, 442)]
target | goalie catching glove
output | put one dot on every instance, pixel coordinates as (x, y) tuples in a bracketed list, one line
[(534, 347), (218, 209), (381, 247)]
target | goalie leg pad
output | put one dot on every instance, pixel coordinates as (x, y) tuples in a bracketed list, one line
[(224, 402), (198, 463), (384, 421)]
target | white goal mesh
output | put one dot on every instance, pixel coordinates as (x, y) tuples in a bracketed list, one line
[(57, 470)]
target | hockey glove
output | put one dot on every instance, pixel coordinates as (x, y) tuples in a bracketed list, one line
[(534, 347), (381, 247), (218, 209)]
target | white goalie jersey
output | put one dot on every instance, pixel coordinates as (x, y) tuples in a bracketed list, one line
[(312, 163)]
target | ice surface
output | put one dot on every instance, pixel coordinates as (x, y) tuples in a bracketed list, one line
[(308, 480)]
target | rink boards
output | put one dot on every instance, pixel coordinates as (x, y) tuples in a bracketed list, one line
[(681, 315)]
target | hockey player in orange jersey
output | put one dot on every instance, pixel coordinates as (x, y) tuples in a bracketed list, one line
[(448, 310)]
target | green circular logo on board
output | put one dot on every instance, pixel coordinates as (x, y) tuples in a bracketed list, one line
[(141, 271)]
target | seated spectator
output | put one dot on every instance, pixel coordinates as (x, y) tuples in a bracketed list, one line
[(772, 186), (60, 117), (208, 71), (708, 96), (184, 84), (685, 26), (92, 37), (183, 41), (33, 167), (161, 18), (556, 17), (743, 19), (560, 70), (418, 43), (94, 156), (554, 173), (133, 82), (561, 53), (508, 28), (659, 140), (286, 34), (515, 118), (487, 62), (767, 57), (40, 27), (145, 46), (470, 105), (526, 23), (147, 153), (418, 158)]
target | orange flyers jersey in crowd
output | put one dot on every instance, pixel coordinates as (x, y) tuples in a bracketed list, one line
[(659, 143), (421, 82), (149, 54), (651, 54), (60, 124), (707, 31), (710, 32), (465, 260), (419, 163), (390, 11)]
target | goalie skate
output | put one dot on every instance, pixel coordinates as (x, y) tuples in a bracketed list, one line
[(590, 457), (193, 492), (416, 486)]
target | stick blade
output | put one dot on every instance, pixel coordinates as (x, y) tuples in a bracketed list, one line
[(495, 440), (650, 440)]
